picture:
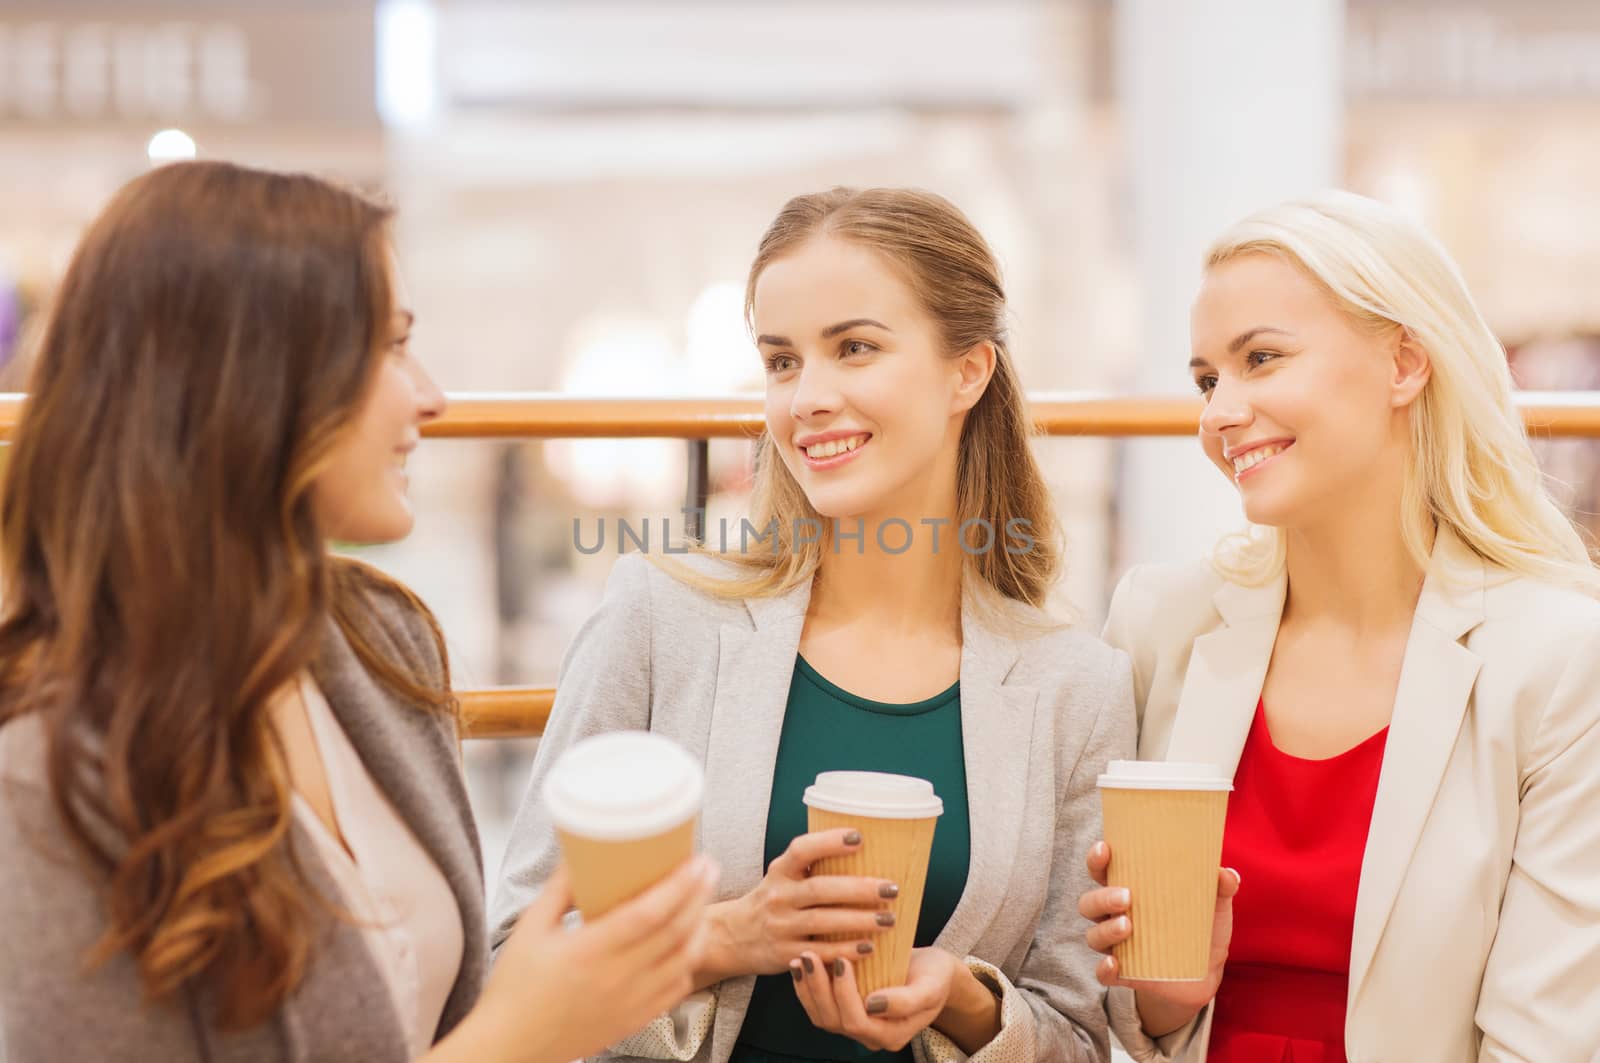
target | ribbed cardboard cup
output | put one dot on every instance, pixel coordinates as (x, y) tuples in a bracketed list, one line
[(1164, 822), (624, 806), (896, 815)]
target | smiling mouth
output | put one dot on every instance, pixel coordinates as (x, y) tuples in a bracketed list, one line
[(1259, 456), (834, 447)]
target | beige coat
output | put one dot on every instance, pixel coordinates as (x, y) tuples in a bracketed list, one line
[(1477, 924)]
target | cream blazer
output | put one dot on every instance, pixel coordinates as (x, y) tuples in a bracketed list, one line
[(1477, 923)]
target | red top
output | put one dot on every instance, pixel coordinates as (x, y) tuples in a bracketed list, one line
[(1296, 833)]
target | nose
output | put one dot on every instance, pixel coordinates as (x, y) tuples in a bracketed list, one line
[(816, 392), (431, 402), (1225, 410)]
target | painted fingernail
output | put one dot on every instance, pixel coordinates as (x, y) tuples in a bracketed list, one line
[(889, 890), (864, 947), (838, 968), (807, 961), (877, 1005), (853, 838), (794, 971), (886, 919)]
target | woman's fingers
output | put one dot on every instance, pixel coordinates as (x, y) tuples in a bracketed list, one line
[(807, 849), (915, 998), (1103, 936), (843, 891), (853, 1018), (1106, 973), (802, 989), (819, 983), (689, 887), (836, 950), (1097, 861), (853, 921), (674, 942), (1103, 903), (552, 902)]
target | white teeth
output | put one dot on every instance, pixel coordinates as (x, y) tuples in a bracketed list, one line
[(1256, 457), (834, 447)]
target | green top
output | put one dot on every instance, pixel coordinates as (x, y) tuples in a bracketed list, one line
[(826, 728)]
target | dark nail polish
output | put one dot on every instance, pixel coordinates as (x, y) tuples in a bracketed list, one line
[(864, 947), (838, 968), (889, 890), (877, 1005), (807, 961), (853, 838), (886, 919), (794, 972)]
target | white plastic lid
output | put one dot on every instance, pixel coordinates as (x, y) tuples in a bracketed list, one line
[(1163, 775), (623, 785), (875, 794)]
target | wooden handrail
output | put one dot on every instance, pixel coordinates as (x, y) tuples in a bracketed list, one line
[(542, 415), (507, 712)]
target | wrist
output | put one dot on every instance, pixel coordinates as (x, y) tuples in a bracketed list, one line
[(717, 960), (971, 1013), (1158, 1017)]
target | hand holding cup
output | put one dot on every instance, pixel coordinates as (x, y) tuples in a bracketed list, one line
[(762, 931), (1165, 915), (1164, 1006)]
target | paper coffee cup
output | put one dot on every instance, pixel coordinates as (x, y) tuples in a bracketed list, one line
[(896, 815), (624, 805), (1164, 822)]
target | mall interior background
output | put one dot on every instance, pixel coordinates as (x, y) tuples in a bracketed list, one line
[(581, 187)]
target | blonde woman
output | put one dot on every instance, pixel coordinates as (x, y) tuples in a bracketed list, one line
[(892, 622), (1401, 668)]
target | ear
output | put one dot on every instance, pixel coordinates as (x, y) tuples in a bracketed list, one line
[(973, 370), (1413, 368)]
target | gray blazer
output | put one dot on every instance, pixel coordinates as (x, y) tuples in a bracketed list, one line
[(1040, 717), (51, 913)]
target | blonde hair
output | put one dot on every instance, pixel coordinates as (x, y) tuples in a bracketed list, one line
[(1471, 468), (955, 277)]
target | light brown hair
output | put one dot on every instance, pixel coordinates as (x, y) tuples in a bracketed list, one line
[(164, 573)]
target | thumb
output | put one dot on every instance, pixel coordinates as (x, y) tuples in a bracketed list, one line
[(552, 902)]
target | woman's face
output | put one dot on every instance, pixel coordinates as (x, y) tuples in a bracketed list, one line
[(1306, 409), (862, 406), (361, 495)]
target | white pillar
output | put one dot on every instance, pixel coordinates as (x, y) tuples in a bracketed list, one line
[(1226, 105)]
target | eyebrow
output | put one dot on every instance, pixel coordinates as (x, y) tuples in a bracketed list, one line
[(827, 333), (1245, 337), (1239, 341)]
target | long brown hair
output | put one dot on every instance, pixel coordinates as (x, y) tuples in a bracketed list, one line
[(164, 574), (954, 275)]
